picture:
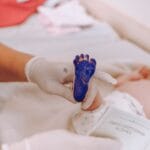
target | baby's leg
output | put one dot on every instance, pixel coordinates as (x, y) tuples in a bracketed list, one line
[(83, 83)]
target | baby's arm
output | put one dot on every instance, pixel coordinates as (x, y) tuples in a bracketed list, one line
[(138, 74)]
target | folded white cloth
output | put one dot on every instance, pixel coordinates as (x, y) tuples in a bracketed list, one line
[(85, 122)]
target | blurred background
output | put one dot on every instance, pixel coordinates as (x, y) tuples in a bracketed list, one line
[(43, 27), (108, 30)]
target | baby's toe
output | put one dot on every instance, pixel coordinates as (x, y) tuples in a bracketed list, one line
[(87, 57), (81, 58), (93, 61), (76, 60)]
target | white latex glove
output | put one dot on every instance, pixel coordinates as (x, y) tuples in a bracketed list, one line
[(51, 76)]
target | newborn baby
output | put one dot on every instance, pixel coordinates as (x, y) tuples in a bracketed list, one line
[(131, 94)]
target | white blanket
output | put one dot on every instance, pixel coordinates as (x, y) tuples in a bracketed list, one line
[(60, 139)]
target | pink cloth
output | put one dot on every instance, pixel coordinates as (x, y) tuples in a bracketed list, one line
[(14, 12)]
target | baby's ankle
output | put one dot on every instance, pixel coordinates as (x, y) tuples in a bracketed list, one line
[(96, 103)]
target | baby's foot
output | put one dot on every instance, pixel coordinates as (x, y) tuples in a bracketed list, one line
[(84, 70)]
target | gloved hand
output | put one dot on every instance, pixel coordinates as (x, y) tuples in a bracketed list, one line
[(51, 76)]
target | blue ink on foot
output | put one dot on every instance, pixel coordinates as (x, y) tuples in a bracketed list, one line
[(84, 70)]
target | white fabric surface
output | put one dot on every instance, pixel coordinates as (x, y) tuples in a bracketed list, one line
[(60, 139), (85, 122), (25, 110)]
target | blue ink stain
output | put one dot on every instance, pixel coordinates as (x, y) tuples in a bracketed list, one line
[(84, 70)]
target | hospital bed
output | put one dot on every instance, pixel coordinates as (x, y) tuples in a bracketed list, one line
[(24, 109)]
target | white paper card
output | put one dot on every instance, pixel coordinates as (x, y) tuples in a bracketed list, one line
[(132, 130)]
